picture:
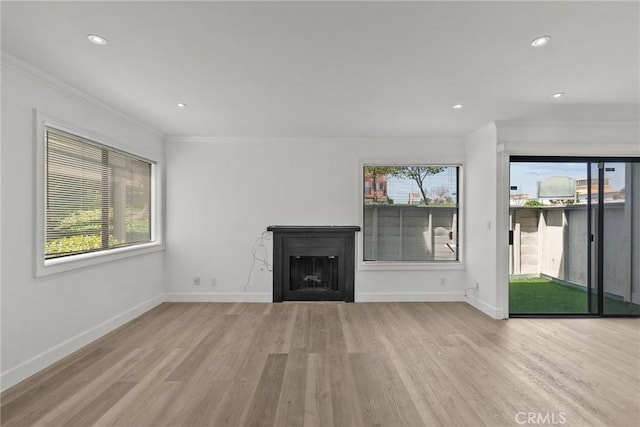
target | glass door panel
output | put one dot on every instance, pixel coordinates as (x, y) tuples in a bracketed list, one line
[(550, 217), (591, 195), (621, 245)]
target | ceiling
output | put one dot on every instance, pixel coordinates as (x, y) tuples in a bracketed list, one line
[(366, 69)]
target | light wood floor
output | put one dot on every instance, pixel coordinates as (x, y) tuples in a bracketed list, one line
[(336, 364)]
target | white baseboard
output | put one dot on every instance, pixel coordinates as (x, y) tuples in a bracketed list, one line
[(13, 376), (219, 297), (409, 296), (487, 309)]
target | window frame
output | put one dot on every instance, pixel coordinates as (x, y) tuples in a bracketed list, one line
[(45, 267), (411, 265)]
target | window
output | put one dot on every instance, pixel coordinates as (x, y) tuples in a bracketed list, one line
[(96, 198), (367, 187), (416, 218)]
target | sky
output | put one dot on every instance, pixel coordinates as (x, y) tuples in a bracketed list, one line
[(399, 189), (525, 175)]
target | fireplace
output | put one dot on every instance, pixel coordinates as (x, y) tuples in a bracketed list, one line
[(315, 263)]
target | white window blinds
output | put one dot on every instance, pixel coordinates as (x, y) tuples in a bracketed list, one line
[(96, 198)]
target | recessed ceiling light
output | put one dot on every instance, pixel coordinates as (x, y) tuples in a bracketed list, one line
[(182, 105), (557, 95), (540, 41), (458, 106), (96, 39)]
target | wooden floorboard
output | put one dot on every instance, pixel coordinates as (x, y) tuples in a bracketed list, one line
[(337, 364)]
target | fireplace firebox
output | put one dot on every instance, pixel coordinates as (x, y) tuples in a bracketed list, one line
[(313, 273), (313, 263)]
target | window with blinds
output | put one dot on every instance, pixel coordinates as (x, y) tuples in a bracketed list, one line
[(96, 198)]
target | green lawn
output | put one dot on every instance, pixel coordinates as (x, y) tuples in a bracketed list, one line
[(539, 295)]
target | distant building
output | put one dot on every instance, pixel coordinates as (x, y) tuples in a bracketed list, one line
[(377, 192), (582, 188), (518, 199)]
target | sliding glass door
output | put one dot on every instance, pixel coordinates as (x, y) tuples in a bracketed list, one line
[(573, 237), (550, 249), (620, 238)]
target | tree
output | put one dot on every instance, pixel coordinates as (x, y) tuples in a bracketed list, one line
[(418, 174), (441, 194), (619, 195)]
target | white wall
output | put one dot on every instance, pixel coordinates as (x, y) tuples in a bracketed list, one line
[(481, 202), (43, 319), (223, 193)]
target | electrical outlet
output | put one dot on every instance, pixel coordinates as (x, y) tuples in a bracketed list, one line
[(214, 282), (196, 281), (477, 286), (443, 281)]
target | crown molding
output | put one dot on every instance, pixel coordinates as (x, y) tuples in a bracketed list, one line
[(506, 124), (606, 134), (40, 76), (303, 139)]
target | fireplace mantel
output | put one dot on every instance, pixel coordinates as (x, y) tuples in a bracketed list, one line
[(301, 245), (313, 228)]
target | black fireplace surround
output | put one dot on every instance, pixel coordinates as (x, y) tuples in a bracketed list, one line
[(313, 263)]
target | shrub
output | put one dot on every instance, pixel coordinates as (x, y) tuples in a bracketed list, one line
[(81, 221), (76, 244), (90, 222), (137, 225)]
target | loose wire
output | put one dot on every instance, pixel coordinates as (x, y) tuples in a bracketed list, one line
[(264, 261)]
